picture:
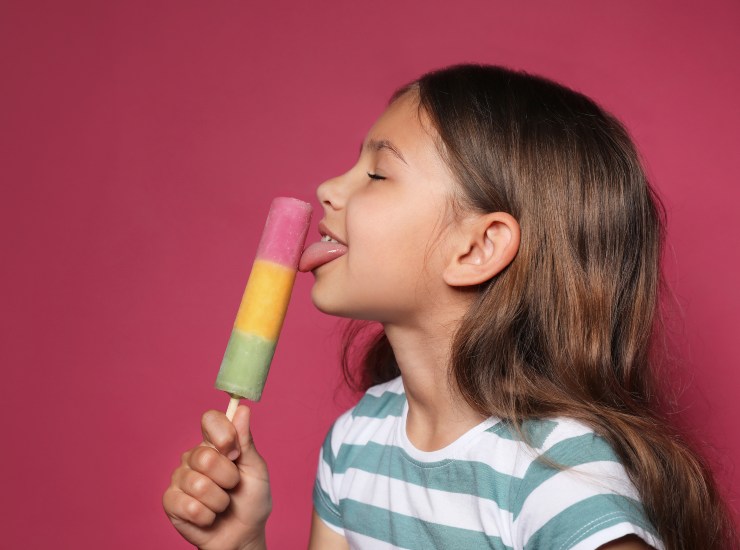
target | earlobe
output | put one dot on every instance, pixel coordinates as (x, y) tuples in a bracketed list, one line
[(487, 244)]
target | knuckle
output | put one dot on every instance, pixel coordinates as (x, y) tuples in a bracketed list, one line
[(199, 514), (222, 439), (167, 501), (203, 459), (198, 486)]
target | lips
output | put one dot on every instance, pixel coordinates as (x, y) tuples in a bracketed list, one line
[(327, 249)]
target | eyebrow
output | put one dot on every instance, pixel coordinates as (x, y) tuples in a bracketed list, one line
[(378, 144)]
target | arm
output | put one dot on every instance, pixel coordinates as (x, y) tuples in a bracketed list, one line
[(323, 538), (630, 542)]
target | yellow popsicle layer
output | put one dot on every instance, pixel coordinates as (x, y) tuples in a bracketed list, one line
[(265, 299)]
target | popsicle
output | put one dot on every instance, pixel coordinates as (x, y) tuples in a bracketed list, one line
[(265, 301)]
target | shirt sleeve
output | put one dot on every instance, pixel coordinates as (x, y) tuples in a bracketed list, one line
[(326, 490), (578, 496)]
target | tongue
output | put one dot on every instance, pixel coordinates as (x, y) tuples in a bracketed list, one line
[(320, 253)]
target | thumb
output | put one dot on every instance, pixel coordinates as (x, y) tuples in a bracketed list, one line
[(241, 423)]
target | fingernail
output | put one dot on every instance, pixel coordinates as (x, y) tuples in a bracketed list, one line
[(233, 454)]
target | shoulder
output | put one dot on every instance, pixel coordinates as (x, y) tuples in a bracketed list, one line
[(573, 489), (563, 454), (566, 460)]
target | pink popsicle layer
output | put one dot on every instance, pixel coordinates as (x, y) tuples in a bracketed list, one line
[(285, 231)]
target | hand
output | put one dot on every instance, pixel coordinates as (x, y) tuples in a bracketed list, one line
[(219, 497)]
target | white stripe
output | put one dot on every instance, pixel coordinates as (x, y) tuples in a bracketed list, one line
[(511, 457), (375, 430), (569, 487), (566, 429), (431, 505), (339, 431)]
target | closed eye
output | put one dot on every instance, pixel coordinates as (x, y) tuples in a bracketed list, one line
[(375, 176)]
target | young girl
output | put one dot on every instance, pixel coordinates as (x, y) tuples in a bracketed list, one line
[(501, 230)]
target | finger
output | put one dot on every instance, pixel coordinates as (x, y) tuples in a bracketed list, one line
[(185, 457), (220, 433), (182, 506), (249, 459), (204, 490), (244, 434), (212, 464)]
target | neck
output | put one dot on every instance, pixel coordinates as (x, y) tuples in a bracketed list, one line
[(438, 413)]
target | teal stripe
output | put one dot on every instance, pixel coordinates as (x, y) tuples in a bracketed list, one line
[(326, 453), (570, 452), (535, 431), (325, 508), (408, 532), (587, 517), (388, 404), (454, 476)]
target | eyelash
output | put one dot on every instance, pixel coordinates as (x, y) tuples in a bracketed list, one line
[(375, 176)]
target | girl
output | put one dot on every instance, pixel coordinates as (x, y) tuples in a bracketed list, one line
[(501, 230)]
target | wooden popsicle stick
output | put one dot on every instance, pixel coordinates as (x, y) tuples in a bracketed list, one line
[(233, 404)]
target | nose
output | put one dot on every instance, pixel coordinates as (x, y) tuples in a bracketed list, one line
[(331, 195)]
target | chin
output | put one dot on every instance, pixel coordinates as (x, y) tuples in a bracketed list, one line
[(325, 302), (332, 304)]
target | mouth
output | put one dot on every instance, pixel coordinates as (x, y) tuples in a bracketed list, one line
[(329, 248), (327, 236)]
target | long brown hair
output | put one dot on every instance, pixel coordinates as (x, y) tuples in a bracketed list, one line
[(569, 327)]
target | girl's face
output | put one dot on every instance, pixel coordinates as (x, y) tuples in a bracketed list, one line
[(392, 212)]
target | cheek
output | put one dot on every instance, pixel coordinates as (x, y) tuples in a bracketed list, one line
[(380, 238), (391, 238)]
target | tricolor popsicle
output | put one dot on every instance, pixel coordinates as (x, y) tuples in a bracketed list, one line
[(262, 310)]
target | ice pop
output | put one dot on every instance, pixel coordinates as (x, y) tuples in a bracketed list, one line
[(265, 301)]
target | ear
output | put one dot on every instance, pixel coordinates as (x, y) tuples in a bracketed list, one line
[(485, 245)]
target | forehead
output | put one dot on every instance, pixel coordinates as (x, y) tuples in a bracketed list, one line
[(407, 126)]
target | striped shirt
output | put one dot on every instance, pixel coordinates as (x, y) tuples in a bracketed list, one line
[(484, 490)]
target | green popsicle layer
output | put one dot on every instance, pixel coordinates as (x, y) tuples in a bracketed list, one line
[(246, 362)]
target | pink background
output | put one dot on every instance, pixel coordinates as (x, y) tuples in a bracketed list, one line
[(140, 146)]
